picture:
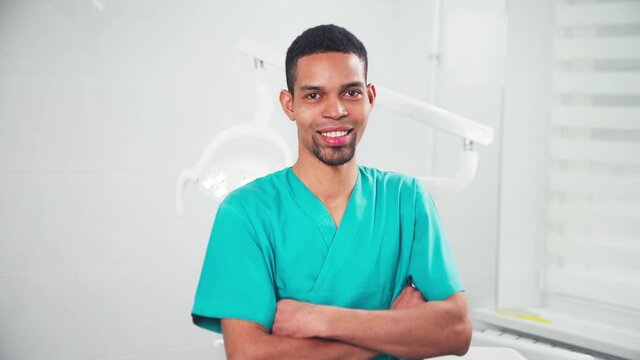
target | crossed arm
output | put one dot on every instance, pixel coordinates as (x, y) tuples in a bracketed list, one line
[(412, 328)]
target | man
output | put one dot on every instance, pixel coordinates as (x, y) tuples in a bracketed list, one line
[(328, 259)]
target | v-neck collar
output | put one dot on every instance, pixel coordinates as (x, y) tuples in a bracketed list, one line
[(316, 208)]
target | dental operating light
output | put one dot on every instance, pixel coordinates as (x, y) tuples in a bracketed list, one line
[(218, 178)]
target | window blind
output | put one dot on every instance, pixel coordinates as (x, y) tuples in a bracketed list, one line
[(593, 212)]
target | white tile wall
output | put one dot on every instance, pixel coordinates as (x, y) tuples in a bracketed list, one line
[(38, 313), (191, 353)]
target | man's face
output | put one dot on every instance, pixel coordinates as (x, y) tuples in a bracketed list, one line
[(330, 104)]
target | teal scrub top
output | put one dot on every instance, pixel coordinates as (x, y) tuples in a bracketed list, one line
[(274, 239)]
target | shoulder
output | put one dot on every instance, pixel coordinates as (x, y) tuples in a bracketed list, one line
[(396, 187), (390, 180), (252, 207), (263, 191)]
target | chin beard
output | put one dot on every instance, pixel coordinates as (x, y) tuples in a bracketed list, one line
[(335, 156)]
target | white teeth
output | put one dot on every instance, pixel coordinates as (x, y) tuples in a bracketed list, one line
[(334, 133)]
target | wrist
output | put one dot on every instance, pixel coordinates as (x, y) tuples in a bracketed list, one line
[(325, 321)]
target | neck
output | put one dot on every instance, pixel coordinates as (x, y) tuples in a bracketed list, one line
[(331, 184)]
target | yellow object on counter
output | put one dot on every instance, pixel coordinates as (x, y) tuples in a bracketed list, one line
[(522, 314)]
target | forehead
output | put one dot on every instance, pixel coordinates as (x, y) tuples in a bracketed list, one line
[(327, 69)]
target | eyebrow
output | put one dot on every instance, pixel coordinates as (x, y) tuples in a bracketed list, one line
[(343, 87), (352, 84)]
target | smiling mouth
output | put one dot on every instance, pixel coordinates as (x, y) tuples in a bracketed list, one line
[(335, 134)]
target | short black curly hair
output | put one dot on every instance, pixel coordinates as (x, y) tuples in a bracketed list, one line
[(322, 39)]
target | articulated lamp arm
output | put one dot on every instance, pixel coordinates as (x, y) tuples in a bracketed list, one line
[(470, 131)]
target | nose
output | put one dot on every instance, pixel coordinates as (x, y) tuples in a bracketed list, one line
[(334, 109)]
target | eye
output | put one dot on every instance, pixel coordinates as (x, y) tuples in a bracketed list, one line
[(312, 96), (353, 93)]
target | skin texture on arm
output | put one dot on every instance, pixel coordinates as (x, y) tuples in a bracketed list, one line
[(425, 329), (248, 340)]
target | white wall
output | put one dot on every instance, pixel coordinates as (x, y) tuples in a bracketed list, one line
[(471, 84), (527, 107), (102, 103)]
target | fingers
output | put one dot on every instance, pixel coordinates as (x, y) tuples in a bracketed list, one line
[(409, 296)]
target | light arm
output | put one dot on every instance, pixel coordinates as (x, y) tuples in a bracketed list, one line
[(415, 109)]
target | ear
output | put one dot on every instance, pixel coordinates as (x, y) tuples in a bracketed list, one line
[(286, 101), (371, 93)]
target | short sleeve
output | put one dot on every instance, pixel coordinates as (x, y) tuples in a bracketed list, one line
[(432, 264), (237, 274)]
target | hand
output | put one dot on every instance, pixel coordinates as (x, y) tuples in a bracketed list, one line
[(296, 319), (409, 297)]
